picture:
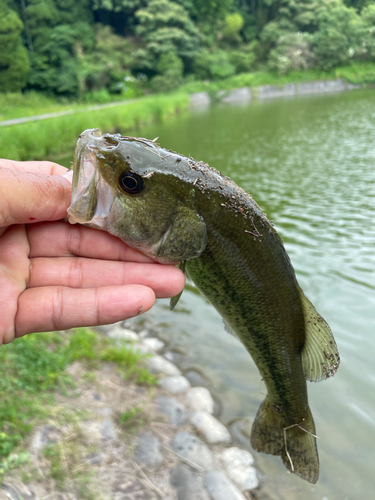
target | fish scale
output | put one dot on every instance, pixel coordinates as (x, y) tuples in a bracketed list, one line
[(186, 211)]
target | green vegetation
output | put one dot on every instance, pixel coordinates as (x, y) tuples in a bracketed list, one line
[(94, 50), (34, 366), (48, 138)]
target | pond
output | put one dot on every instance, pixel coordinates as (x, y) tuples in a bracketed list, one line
[(309, 163)]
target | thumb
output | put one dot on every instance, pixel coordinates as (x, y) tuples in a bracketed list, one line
[(27, 197)]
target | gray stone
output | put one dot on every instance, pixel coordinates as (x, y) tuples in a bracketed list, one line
[(192, 448), (200, 99), (187, 484), (153, 344), (272, 91), (238, 464), (149, 450), (175, 410), (221, 487), (241, 430), (96, 458), (196, 378), (157, 364), (174, 357), (321, 86), (108, 430), (242, 94), (43, 437), (175, 384), (199, 398), (124, 334), (213, 431)]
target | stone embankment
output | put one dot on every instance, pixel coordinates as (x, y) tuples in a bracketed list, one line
[(208, 466), (173, 447), (246, 94)]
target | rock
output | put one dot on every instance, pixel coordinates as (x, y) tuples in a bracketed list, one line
[(241, 430), (213, 431), (199, 398), (200, 99), (153, 344), (43, 437), (149, 450), (175, 384), (95, 458), (187, 484), (143, 334), (157, 364), (221, 487), (196, 379), (174, 357), (272, 91), (242, 94), (321, 86), (175, 410), (238, 464), (124, 334), (108, 430), (192, 448)]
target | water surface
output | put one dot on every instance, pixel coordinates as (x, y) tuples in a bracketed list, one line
[(309, 163)]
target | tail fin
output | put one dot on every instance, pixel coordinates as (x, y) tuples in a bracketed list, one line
[(296, 443)]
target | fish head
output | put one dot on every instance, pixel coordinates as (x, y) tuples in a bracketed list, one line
[(136, 191)]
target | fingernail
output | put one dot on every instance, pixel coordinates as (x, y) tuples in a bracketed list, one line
[(69, 176)]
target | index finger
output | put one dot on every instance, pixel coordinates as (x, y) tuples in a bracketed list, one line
[(38, 167)]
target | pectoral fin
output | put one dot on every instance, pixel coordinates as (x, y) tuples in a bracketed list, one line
[(320, 357), (176, 298)]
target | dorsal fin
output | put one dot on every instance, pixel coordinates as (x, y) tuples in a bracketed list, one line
[(320, 357)]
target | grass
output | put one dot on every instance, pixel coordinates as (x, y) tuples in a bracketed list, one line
[(34, 366), (52, 137), (361, 73)]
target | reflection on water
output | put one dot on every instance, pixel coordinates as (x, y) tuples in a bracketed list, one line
[(309, 163)]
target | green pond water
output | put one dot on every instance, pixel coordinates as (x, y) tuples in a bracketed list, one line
[(309, 163)]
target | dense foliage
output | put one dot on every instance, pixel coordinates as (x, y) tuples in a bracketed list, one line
[(93, 48)]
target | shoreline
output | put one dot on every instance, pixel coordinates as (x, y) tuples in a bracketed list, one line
[(134, 442), (265, 92)]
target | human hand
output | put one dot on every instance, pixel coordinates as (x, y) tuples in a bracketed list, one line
[(54, 275)]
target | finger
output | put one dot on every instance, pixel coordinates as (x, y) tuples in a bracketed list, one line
[(29, 197), (61, 239), (76, 272), (58, 308), (38, 167)]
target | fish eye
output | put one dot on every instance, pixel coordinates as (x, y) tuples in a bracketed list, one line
[(130, 183)]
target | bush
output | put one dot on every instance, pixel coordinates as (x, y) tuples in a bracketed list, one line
[(242, 61), (292, 52), (213, 65)]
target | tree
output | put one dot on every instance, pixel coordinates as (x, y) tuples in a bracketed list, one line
[(60, 30), (14, 59), (166, 27)]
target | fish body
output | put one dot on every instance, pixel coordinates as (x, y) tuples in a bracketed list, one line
[(175, 209)]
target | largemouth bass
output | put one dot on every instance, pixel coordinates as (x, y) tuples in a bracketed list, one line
[(175, 209)]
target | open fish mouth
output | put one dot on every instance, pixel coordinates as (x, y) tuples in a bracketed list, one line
[(92, 197)]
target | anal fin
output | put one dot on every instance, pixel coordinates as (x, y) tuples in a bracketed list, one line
[(320, 357)]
